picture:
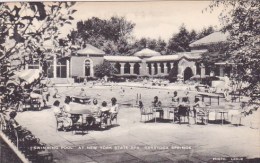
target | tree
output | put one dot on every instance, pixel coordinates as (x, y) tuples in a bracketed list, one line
[(205, 32), (110, 35), (26, 26), (180, 41), (104, 69), (242, 23), (193, 36), (158, 45)]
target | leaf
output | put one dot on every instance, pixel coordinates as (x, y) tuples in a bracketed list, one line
[(71, 18), (17, 10), (41, 10), (68, 22), (73, 11), (21, 25), (27, 18)]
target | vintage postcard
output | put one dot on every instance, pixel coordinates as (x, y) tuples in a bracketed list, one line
[(129, 81)]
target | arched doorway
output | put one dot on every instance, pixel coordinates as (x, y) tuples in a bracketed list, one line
[(88, 67), (187, 74)]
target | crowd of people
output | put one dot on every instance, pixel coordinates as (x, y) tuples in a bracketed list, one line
[(101, 115), (183, 106)]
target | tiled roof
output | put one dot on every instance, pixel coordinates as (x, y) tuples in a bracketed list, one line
[(91, 50), (147, 53), (122, 58), (178, 56), (211, 38)]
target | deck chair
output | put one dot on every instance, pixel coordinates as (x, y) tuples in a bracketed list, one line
[(114, 118), (183, 111), (145, 112), (58, 122), (202, 115), (239, 117)]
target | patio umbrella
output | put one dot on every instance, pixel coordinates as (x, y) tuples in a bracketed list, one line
[(29, 75)]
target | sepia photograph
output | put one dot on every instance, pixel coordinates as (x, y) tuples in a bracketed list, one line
[(132, 81)]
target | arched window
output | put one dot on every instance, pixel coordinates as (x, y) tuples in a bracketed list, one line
[(136, 68), (87, 68), (127, 68), (162, 68), (149, 68), (155, 68), (117, 66)]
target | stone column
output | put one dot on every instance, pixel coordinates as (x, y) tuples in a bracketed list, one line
[(172, 65), (159, 68), (165, 68), (67, 68), (146, 70), (202, 70), (194, 69), (91, 69), (131, 68), (221, 71), (54, 66), (140, 69), (152, 69), (122, 68)]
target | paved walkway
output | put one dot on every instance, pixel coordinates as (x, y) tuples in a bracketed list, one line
[(133, 141)]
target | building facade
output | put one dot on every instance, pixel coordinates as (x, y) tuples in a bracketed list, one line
[(146, 62)]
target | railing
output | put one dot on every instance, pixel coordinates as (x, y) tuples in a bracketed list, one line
[(23, 143), (9, 152)]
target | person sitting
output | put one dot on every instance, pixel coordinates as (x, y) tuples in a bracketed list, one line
[(57, 112), (103, 114), (66, 114), (157, 104), (12, 122), (198, 107), (95, 106), (56, 93), (183, 108), (82, 93), (175, 97), (45, 96), (114, 109), (95, 112)]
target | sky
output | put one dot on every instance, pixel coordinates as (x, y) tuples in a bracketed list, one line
[(153, 19)]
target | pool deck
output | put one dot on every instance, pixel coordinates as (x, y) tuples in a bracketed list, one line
[(134, 141)]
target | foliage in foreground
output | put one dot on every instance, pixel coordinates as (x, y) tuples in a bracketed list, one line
[(242, 21)]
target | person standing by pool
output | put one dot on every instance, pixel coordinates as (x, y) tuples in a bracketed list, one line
[(227, 87), (114, 109)]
